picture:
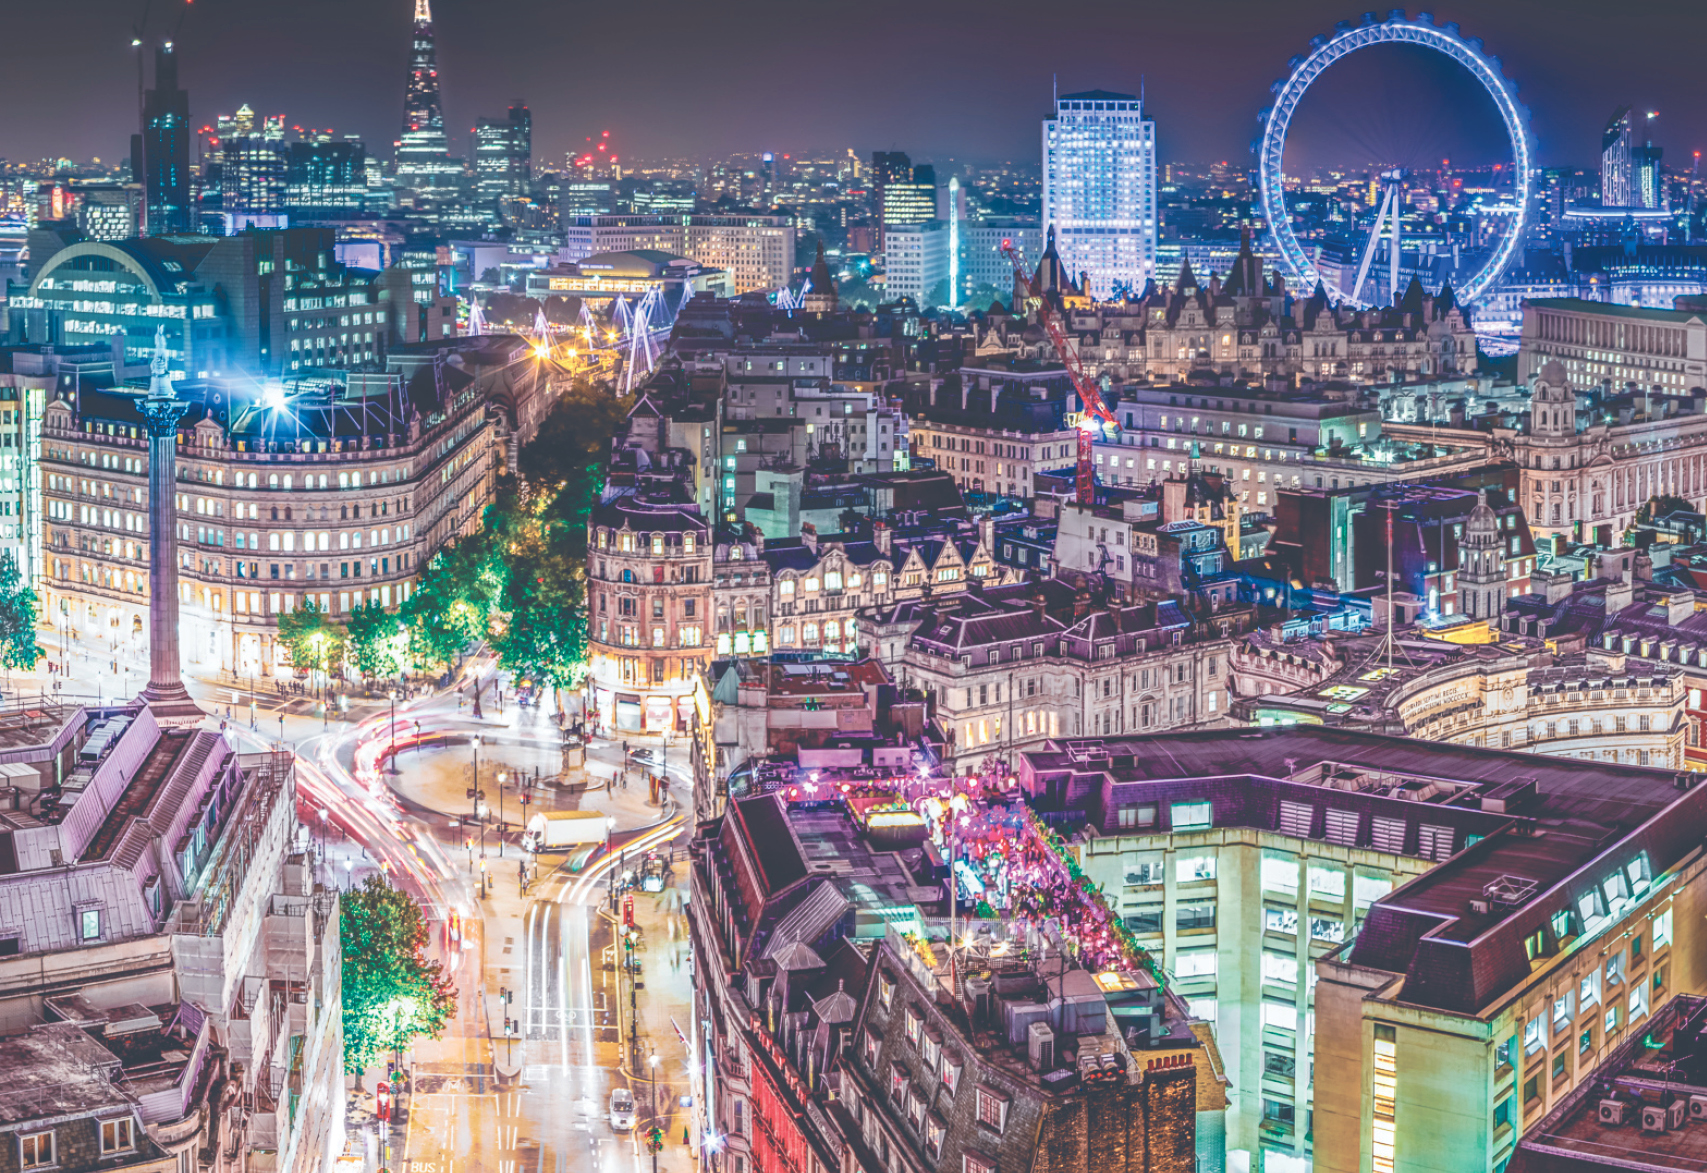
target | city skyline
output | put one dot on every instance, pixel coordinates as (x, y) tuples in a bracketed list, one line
[(333, 66)]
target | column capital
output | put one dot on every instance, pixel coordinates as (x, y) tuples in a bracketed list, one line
[(163, 415)]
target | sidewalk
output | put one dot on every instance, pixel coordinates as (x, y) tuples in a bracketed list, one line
[(665, 1004)]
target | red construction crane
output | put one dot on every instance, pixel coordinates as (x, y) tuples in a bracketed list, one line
[(1090, 398)]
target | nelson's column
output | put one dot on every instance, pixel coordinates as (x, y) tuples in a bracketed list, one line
[(165, 695)]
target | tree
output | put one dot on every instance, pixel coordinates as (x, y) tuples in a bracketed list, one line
[(18, 646), (373, 639), (452, 604), (392, 994), (1663, 505), (314, 641)]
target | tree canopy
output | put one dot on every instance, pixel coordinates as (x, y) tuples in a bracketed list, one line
[(520, 583), (313, 639), (392, 993), (373, 639), (18, 615)]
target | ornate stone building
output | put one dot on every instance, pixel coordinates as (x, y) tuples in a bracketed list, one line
[(1253, 327), (649, 603), (1588, 464), (335, 492)]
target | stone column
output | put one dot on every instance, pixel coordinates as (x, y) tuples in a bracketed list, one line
[(165, 693)]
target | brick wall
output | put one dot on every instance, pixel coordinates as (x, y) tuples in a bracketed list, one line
[(1146, 1127)]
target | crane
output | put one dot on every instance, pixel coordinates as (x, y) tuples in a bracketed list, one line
[(1090, 398)]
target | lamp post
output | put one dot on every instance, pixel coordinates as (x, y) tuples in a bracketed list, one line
[(501, 777), (391, 763), (653, 1062), (475, 743), (610, 829)]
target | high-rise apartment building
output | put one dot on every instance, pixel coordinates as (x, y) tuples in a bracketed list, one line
[(1617, 168), (253, 173), (160, 155), (503, 159), (326, 178), (1099, 189), (917, 262)]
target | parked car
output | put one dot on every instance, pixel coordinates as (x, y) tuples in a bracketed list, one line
[(622, 1110)]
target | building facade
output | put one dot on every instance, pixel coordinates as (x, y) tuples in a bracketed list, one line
[(1274, 870), (162, 894), (1595, 341), (649, 603), (1099, 189), (756, 250), (337, 495)]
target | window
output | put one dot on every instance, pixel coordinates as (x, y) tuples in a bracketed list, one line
[(1662, 930), (1279, 875), (35, 1150), (1279, 1064), (992, 1109), (1278, 967), (1145, 872), (89, 924), (1188, 816), (118, 1136), (1277, 1112), (1138, 815), (1280, 1015), (1194, 916), (1328, 882), (1532, 1089), (1190, 869), (1190, 963)]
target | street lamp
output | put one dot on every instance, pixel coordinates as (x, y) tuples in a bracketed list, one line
[(610, 829), (501, 776), (391, 765), (475, 796), (349, 866), (653, 1061)]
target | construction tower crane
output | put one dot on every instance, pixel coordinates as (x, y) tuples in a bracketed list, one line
[(1095, 412)]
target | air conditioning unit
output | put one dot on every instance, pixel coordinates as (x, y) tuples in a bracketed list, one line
[(1653, 1118), (1612, 1111), (1041, 1046), (1698, 1107), (1676, 1111)]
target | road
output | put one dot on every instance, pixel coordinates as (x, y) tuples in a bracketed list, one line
[(547, 947)]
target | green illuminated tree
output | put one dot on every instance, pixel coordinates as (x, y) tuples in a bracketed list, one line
[(452, 604), (18, 647), (373, 633), (314, 641), (392, 993)]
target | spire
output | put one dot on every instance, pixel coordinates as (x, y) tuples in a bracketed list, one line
[(423, 12)]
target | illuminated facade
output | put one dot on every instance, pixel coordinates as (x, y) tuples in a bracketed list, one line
[(161, 153), (1407, 956), (318, 493), (756, 250), (1099, 189), (649, 602), (1586, 471)]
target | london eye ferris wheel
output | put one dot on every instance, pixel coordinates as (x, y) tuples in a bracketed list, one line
[(1383, 241)]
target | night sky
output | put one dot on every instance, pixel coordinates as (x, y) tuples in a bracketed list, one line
[(947, 80)]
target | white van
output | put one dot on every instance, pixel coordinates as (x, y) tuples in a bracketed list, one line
[(622, 1110)]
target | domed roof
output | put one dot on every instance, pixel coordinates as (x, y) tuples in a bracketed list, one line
[(1482, 518)]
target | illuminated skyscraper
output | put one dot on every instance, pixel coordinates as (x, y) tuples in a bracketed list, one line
[(503, 159), (423, 150), (1099, 188), (160, 156), (1617, 168)]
